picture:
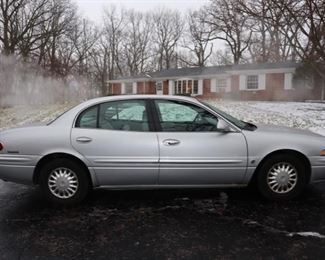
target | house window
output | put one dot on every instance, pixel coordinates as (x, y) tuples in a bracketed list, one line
[(252, 82), (221, 83), (187, 87), (179, 87), (184, 86), (195, 86), (128, 88)]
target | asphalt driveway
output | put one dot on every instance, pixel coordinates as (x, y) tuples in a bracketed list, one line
[(200, 224)]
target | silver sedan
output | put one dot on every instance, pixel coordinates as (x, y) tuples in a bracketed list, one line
[(149, 142)]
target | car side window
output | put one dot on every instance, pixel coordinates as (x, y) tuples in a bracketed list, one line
[(125, 115), (88, 118), (175, 116)]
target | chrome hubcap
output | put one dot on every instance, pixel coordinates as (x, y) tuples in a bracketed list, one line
[(282, 177), (63, 183)]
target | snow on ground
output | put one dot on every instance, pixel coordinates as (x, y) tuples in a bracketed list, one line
[(294, 114), (22, 115)]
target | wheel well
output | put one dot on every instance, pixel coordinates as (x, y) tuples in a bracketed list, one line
[(53, 156), (301, 156)]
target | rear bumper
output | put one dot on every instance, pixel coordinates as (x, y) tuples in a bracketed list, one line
[(17, 168), (17, 173)]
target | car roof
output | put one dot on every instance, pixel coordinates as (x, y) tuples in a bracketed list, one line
[(123, 97), (71, 114)]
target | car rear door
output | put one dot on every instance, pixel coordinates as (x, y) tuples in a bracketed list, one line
[(193, 151), (117, 140)]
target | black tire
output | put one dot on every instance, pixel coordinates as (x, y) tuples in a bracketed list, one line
[(266, 172), (80, 174)]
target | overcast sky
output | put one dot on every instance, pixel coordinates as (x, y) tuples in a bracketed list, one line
[(93, 8)]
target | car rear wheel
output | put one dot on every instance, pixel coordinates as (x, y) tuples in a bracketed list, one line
[(64, 182), (281, 177)]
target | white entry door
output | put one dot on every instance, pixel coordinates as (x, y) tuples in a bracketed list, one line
[(159, 88)]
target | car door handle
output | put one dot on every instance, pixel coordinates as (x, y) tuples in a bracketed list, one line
[(170, 142), (84, 139)]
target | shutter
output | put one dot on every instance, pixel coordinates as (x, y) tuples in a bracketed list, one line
[(288, 81), (200, 90), (242, 82), (261, 81), (134, 87), (228, 88), (213, 85), (123, 88)]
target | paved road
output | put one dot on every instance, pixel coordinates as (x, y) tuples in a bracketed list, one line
[(161, 225)]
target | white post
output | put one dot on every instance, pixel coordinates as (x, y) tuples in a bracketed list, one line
[(134, 87)]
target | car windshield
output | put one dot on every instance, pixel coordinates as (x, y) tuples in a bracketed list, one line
[(235, 121)]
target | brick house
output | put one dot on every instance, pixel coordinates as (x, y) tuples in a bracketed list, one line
[(267, 81)]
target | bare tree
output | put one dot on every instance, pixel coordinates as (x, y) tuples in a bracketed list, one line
[(197, 41), (168, 26), (75, 47), (268, 44), (136, 42), (301, 26), (99, 58), (18, 22), (230, 25), (114, 23)]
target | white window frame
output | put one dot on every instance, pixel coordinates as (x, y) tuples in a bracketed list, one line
[(179, 85)]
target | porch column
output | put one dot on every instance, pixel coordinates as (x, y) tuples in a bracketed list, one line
[(200, 87), (171, 87)]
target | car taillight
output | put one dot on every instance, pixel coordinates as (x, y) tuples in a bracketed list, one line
[(1, 146)]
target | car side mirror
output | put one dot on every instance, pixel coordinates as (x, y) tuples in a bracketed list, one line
[(223, 126)]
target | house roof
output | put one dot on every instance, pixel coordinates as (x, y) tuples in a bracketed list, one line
[(194, 71), (204, 71)]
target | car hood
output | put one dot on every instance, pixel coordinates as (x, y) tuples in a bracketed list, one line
[(284, 130)]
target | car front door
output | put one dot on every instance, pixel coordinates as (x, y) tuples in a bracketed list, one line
[(116, 138), (193, 150)]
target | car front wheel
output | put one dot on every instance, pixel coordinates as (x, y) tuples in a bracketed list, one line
[(281, 177), (64, 182)]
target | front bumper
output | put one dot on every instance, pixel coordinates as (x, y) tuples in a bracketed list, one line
[(317, 168), (317, 173)]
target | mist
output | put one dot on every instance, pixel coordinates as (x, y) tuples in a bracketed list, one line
[(23, 83)]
